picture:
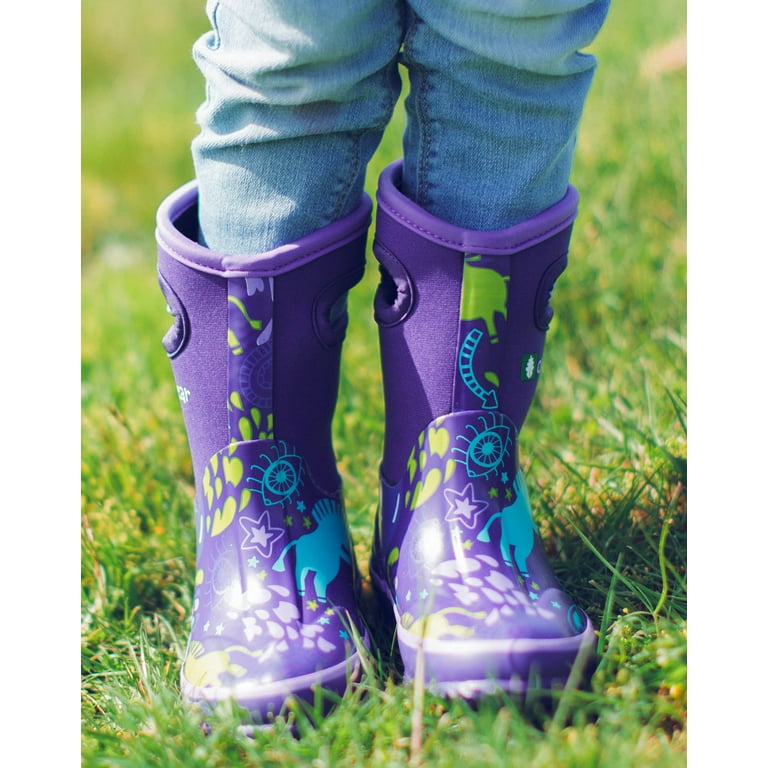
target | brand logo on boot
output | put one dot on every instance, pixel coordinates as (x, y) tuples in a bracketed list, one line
[(530, 367)]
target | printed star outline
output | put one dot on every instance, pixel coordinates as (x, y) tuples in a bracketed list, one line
[(464, 507), (260, 535)]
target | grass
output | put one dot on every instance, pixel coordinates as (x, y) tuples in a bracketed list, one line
[(604, 448)]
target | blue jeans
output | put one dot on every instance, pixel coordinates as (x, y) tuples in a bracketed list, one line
[(299, 92)]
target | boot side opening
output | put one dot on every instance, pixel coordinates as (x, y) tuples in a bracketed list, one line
[(394, 295)]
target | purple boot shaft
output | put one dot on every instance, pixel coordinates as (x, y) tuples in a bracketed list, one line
[(463, 317), (255, 349)]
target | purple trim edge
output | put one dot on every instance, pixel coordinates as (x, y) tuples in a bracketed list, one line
[(503, 241), (266, 264)]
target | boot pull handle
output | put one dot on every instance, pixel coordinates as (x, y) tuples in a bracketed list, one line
[(393, 300), (542, 311), (176, 336)]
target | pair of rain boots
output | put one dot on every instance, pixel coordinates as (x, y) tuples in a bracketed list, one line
[(457, 562)]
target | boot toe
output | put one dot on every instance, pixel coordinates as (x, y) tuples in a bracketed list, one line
[(275, 611), (459, 559), (265, 675), (493, 640)]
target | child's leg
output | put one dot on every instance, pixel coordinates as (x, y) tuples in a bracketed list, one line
[(497, 91), (472, 233), (297, 96)]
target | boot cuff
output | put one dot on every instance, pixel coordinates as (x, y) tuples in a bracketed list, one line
[(178, 229), (395, 205)]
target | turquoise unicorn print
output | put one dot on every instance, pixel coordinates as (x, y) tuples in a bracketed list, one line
[(320, 552), (518, 531)]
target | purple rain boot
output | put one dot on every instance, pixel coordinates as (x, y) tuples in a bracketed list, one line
[(255, 349), (462, 318)]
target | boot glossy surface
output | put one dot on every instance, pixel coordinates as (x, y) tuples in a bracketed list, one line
[(459, 560), (463, 317), (255, 347)]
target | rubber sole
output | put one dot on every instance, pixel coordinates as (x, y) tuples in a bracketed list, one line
[(474, 668), (264, 702)]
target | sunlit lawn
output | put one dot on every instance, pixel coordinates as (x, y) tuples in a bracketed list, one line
[(604, 448)]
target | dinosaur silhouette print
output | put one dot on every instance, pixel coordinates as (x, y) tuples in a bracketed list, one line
[(484, 294), (436, 625), (214, 667), (518, 531), (321, 551)]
